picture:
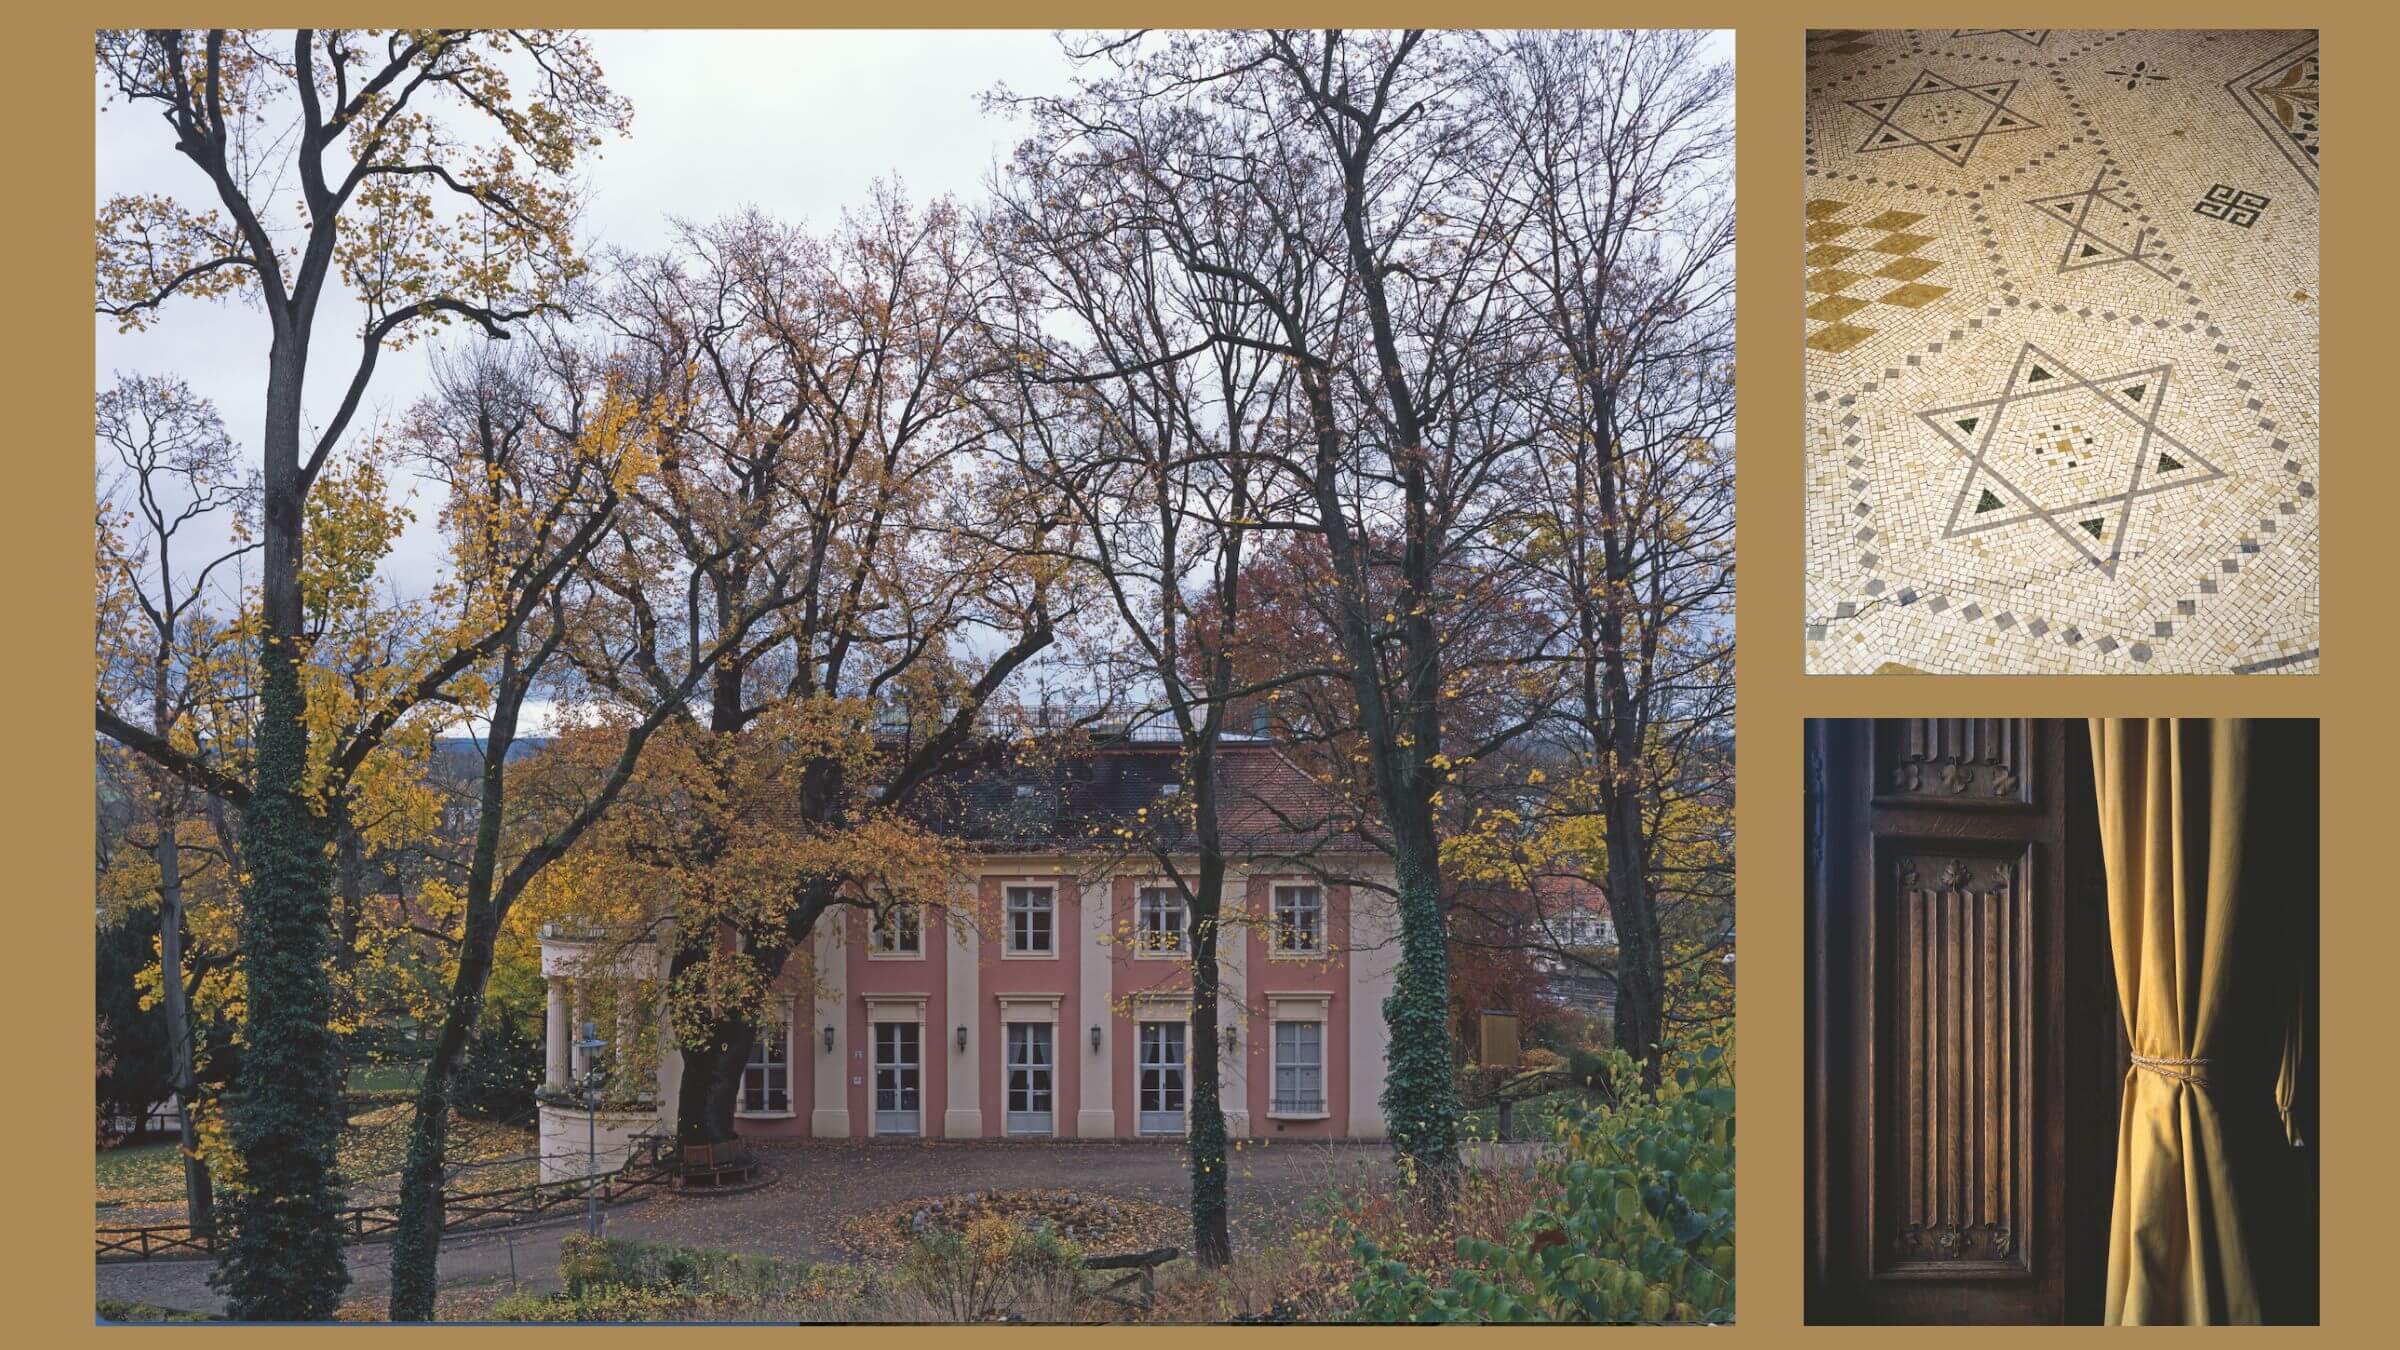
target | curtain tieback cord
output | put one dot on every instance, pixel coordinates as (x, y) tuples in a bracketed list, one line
[(2181, 1070)]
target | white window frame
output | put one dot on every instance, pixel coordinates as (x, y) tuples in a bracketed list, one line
[(1181, 1066), (1276, 1065), (1017, 1123), (876, 951), (876, 1021), (1280, 933), (1009, 950), (1143, 950), (742, 1109)]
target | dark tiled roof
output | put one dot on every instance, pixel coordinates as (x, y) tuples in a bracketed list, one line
[(1016, 797)]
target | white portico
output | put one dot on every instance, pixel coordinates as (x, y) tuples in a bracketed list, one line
[(584, 973)]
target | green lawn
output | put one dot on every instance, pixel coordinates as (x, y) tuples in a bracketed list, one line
[(138, 1174), (385, 1077), (143, 1183)]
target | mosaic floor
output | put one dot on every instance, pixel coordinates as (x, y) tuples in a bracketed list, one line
[(2061, 366)]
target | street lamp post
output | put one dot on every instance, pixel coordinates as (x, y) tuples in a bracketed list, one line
[(591, 1045)]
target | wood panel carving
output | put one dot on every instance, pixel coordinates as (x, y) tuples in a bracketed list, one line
[(1954, 1137), (1979, 761)]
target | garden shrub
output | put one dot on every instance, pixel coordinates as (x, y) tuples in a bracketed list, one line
[(499, 1072), (1634, 1221), (994, 1267), (616, 1280)]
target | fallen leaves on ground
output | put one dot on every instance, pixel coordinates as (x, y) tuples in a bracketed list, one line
[(1096, 1222)]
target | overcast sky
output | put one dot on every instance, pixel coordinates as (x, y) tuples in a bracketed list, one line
[(796, 122)]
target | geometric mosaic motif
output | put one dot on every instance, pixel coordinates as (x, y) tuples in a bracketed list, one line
[(2047, 427), (2231, 205), (1853, 265), (2139, 75), (1840, 41), (2031, 37), (2280, 93), (2073, 453), (1936, 114), (2088, 238)]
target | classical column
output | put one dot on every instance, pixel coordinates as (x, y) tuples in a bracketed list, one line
[(555, 1076), (621, 1054), (1096, 1113), (581, 1059)]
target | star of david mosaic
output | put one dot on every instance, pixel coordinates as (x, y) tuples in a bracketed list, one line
[(2074, 453), (1947, 118), (2086, 245)]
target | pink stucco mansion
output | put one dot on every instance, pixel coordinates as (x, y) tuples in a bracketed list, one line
[(1054, 1000)]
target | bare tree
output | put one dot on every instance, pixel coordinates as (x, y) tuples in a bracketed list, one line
[(1618, 147), (815, 473), (1131, 411), (1382, 290), (179, 482)]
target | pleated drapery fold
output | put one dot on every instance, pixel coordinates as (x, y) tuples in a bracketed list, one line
[(2205, 931)]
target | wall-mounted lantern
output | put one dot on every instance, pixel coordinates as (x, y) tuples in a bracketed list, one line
[(1233, 1035), (1095, 1038), (829, 1038), (962, 1037)]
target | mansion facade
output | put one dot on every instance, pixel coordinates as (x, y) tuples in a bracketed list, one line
[(1053, 999)]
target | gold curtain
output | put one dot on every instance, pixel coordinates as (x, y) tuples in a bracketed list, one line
[(2209, 871)]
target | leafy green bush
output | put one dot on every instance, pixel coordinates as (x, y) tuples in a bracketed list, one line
[(1639, 1226)]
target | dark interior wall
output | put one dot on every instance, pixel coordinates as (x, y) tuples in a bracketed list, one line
[(1958, 1036), (1965, 1050)]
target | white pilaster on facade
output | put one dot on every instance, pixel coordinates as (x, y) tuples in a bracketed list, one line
[(829, 1115), (1233, 1029), (962, 1116), (1373, 965), (555, 1035), (1096, 1113)]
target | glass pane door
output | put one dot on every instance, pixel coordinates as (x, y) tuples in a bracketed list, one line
[(1162, 1068), (1030, 1066), (898, 1062)]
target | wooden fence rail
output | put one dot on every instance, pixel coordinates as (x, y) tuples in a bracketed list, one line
[(463, 1212)]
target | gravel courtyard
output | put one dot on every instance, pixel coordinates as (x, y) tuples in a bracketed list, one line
[(819, 1183)]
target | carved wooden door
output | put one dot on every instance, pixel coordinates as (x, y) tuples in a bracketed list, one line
[(1952, 912)]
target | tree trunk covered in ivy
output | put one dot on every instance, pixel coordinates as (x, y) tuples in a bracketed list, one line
[(283, 1261), (1420, 1091)]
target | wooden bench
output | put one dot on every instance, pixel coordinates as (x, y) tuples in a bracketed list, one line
[(724, 1163)]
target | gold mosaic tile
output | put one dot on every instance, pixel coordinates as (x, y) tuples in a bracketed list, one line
[(2069, 424)]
